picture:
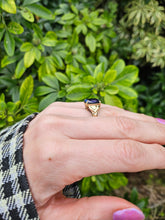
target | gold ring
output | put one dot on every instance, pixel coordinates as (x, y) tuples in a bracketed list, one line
[(93, 105)]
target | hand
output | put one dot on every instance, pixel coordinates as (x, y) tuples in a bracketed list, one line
[(64, 143)]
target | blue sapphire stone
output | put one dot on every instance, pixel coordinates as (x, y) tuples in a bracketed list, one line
[(91, 101)]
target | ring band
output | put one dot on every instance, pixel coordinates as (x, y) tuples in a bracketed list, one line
[(93, 105)]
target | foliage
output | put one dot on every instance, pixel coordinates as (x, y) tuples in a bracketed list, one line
[(142, 31), (141, 203), (102, 184), (151, 98), (61, 52)]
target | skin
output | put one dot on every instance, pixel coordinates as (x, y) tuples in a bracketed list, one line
[(64, 143)]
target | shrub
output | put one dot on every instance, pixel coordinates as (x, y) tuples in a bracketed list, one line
[(61, 52)]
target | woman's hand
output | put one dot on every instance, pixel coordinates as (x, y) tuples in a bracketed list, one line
[(64, 143)]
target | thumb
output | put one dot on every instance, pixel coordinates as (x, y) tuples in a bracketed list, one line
[(92, 208)]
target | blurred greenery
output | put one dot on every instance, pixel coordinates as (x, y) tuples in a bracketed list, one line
[(67, 50)]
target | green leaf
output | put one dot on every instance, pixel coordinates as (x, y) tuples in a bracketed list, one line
[(43, 90), (46, 101), (110, 76), (126, 92), (2, 31), (31, 106), (50, 39), (26, 90), (20, 69), (128, 76), (117, 180), (29, 58), (68, 16), (51, 81), (15, 28), (26, 46), (78, 92), (112, 90), (62, 77), (26, 14), (8, 60), (119, 66), (41, 11), (99, 68), (113, 100), (74, 9), (8, 6), (90, 42), (80, 58), (30, 2), (9, 44)]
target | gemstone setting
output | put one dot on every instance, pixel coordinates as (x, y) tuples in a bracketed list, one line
[(91, 101)]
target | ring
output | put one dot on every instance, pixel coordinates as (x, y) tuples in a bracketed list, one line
[(93, 105)]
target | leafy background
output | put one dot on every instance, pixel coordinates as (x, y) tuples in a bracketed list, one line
[(70, 50)]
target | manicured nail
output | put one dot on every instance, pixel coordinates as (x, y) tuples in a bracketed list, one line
[(161, 120), (128, 214)]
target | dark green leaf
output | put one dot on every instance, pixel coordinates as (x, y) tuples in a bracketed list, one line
[(43, 90), (46, 101), (30, 2), (62, 77), (9, 44), (78, 92), (51, 81), (41, 11)]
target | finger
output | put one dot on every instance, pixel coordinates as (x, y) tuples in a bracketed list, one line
[(77, 109), (114, 128), (87, 158), (94, 208)]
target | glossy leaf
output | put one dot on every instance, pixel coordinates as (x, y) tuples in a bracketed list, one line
[(119, 66), (8, 6), (9, 44), (27, 14), (26, 46), (62, 77), (90, 42), (113, 100), (29, 58), (43, 90), (110, 76), (126, 92), (48, 100), (20, 69), (41, 11), (30, 2), (26, 90), (51, 81), (15, 28)]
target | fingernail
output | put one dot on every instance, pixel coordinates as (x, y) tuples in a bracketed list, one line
[(128, 214), (161, 120)]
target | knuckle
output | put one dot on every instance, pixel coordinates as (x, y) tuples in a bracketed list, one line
[(126, 126), (130, 153)]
